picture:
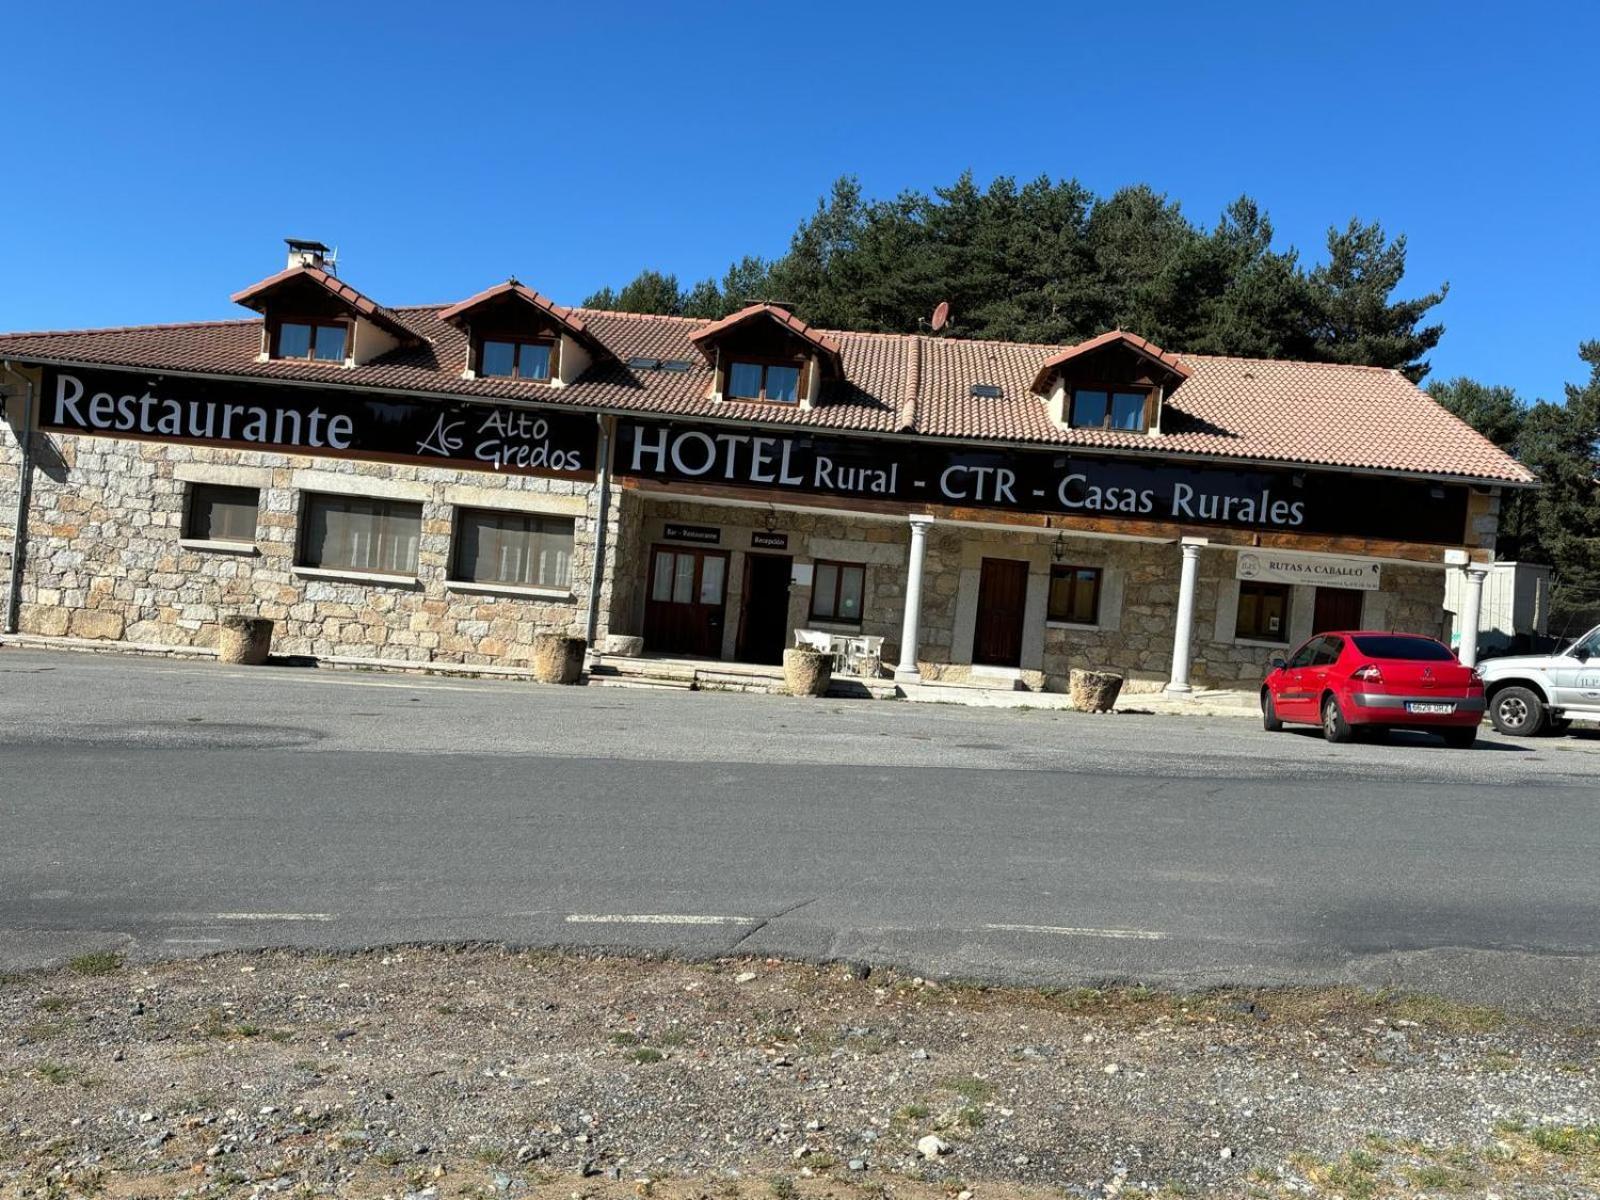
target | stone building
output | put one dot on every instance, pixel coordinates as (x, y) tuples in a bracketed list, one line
[(437, 485)]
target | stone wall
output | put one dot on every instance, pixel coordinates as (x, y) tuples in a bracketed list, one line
[(105, 558)]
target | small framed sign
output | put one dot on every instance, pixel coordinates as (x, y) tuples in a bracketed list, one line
[(760, 539), (705, 535)]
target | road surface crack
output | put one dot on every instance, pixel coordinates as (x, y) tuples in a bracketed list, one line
[(765, 921)]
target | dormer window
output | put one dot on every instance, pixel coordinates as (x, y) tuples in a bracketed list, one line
[(502, 358), (314, 341), (764, 354), (1111, 408), (1116, 382), (512, 332), (775, 382)]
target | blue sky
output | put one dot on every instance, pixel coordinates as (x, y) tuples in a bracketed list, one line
[(157, 153)]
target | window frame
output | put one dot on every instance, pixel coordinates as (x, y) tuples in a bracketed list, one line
[(274, 348), (1146, 414), (518, 342), (194, 489), (1257, 633), (1070, 570), (801, 383), (459, 569), (310, 498), (840, 567)]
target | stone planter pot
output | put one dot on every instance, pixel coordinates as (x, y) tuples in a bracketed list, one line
[(244, 641), (1093, 691), (558, 658), (807, 672)]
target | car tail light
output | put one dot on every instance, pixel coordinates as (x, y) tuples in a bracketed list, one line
[(1368, 674)]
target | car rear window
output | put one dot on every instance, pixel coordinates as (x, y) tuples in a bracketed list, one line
[(1392, 646)]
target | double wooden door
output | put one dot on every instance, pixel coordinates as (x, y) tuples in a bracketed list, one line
[(684, 609)]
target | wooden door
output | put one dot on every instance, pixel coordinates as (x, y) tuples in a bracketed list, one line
[(1337, 609), (684, 608), (764, 611), (1002, 601)]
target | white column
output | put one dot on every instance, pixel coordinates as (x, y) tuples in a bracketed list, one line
[(907, 669), (1471, 614), (1184, 631)]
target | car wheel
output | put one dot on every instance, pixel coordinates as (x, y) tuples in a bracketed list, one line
[(1334, 727), (1269, 713), (1517, 712), (1461, 739)]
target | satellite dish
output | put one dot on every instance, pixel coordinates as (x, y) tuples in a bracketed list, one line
[(941, 316)]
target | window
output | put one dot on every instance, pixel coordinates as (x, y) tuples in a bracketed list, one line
[(1398, 645), (1306, 655), (1101, 408), (515, 360), (1074, 595), (1263, 612), (764, 381), (353, 533), (221, 514), (519, 549), (673, 580), (836, 592), (317, 341)]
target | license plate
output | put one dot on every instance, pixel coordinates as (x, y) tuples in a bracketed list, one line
[(1430, 708)]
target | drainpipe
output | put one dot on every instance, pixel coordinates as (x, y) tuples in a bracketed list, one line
[(19, 529), (598, 561)]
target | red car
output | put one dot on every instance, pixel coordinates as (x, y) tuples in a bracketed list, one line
[(1373, 682)]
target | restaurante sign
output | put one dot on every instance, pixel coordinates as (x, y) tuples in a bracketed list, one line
[(489, 437), (1060, 481)]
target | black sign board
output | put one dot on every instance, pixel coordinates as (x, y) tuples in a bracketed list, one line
[(762, 540), (489, 437), (706, 535), (1057, 482)]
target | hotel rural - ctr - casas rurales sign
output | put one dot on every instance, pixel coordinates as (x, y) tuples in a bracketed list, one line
[(1057, 482), (319, 421)]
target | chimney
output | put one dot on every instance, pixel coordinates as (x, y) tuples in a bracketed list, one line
[(303, 253)]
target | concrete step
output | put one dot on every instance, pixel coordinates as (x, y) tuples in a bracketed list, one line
[(641, 681)]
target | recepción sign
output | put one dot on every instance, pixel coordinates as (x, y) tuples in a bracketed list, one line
[(486, 437), (1325, 571), (1044, 481)]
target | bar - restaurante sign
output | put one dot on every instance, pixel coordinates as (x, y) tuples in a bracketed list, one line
[(490, 437), (1062, 481)]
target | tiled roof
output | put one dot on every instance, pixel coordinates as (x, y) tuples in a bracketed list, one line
[(1317, 414)]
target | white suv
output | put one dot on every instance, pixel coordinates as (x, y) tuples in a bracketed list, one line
[(1527, 693)]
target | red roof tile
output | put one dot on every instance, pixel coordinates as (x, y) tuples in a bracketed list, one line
[(1317, 414)]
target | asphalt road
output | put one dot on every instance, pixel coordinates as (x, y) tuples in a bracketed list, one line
[(166, 807)]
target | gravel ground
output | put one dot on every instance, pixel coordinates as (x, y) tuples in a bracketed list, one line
[(436, 1072)]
